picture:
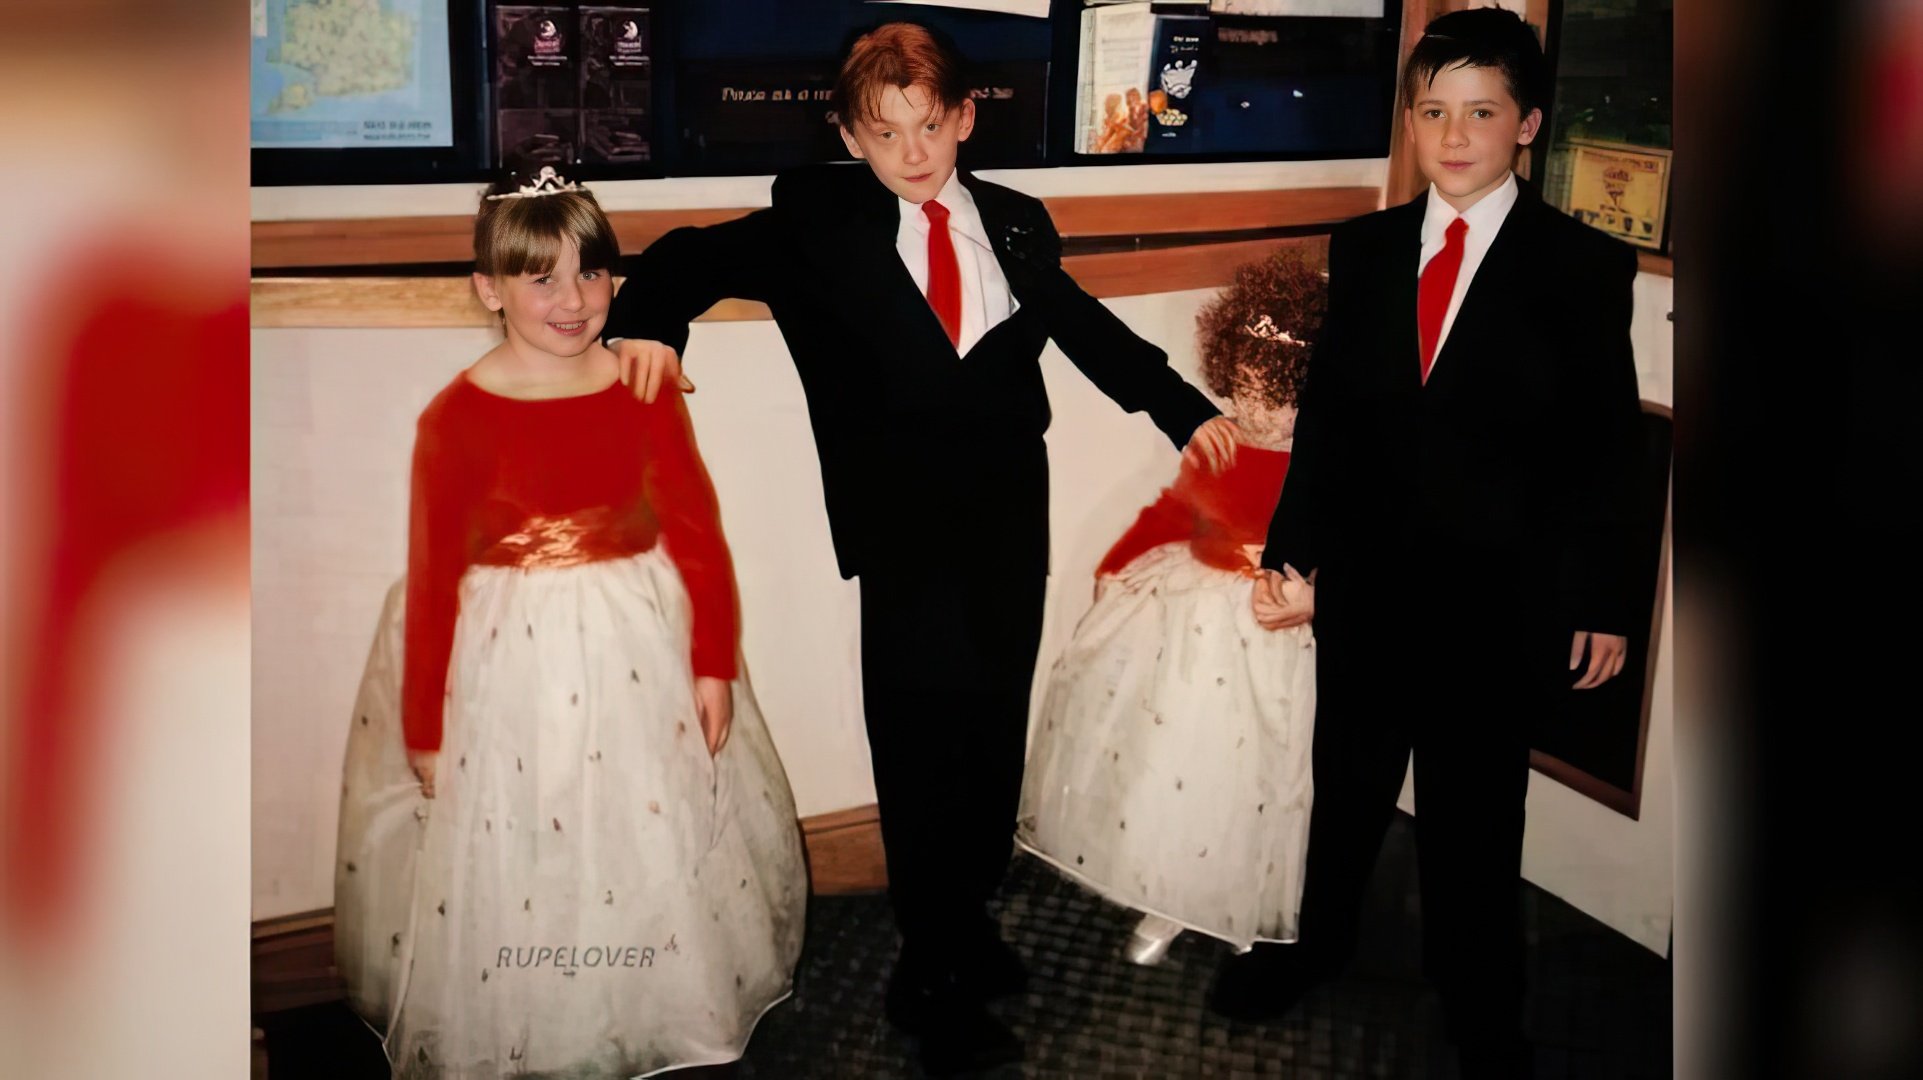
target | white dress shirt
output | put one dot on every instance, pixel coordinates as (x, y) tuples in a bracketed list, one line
[(985, 299), (1485, 220)]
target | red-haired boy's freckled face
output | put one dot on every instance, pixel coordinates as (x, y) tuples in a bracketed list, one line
[(1464, 128), (911, 143)]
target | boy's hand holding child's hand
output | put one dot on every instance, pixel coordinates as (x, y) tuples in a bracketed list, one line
[(1283, 600), (648, 365), (714, 704)]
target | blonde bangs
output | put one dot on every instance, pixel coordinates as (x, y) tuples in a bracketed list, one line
[(513, 237)]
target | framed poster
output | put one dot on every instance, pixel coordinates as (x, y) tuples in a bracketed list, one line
[(366, 91), (1594, 742), (346, 73), (751, 80), (1607, 134), (573, 87), (1236, 82), (1619, 189)]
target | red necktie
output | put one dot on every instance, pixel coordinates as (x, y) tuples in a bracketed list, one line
[(944, 273), (1437, 286)]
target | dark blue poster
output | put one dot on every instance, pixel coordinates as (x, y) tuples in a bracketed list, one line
[(752, 81), (1309, 87)]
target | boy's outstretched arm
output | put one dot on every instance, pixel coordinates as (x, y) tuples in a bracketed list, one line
[(1132, 372), (670, 284)]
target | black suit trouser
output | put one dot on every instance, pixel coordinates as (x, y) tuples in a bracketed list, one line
[(948, 657), (1406, 670)]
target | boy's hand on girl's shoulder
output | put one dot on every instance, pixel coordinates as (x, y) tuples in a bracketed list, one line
[(1607, 653), (1212, 447), (648, 365)]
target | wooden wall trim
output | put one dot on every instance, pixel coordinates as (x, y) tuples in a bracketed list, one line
[(844, 852), (401, 303), (1626, 803), (1173, 269), (438, 239), (450, 238), (442, 302), (1208, 212), (416, 302), (293, 955)]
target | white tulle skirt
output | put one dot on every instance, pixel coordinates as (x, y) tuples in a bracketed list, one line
[(590, 894), (1171, 769)]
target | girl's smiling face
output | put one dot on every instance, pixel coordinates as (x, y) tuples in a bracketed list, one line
[(559, 313)]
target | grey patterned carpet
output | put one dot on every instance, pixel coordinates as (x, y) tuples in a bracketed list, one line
[(1600, 1004)]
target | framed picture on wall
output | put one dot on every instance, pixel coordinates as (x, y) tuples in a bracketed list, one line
[(749, 81), (1595, 741), (1273, 80), (1619, 189), (1607, 134), (345, 92)]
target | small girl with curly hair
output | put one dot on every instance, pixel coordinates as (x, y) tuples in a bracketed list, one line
[(1170, 772)]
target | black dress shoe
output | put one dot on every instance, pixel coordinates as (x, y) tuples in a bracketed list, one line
[(964, 1038), (1264, 983), (917, 992), (1495, 1059), (995, 969), (946, 1014)]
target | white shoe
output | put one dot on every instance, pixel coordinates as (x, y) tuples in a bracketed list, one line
[(1151, 939)]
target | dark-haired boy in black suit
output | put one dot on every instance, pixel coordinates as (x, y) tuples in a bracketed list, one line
[(1459, 493)]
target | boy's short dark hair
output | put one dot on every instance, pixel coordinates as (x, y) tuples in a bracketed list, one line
[(896, 56), (1484, 38)]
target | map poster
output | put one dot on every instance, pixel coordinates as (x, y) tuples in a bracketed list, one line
[(350, 73)]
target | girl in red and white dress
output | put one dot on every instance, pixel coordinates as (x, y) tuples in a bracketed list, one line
[(567, 844), (1170, 769)]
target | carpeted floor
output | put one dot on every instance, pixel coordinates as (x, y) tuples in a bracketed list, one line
[(1599, 1008)]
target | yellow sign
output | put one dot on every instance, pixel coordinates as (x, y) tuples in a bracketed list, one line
[(1622, 190)]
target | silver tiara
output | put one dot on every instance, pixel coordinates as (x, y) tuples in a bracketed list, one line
[(1266, 329), (547, 182)]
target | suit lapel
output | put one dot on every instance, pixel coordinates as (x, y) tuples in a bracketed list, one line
[(1480, 318), (998, 215), (1397, 287), (887, 309)]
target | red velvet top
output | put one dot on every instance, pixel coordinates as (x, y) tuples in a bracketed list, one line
[(1217, 515), (505, 482)]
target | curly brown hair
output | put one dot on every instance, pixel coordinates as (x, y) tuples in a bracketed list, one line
[(1289, 289)]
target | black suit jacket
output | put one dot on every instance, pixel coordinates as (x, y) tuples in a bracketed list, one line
[(923, 452), (1513, 463)]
